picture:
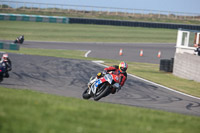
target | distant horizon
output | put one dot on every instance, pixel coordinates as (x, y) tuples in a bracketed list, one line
[(176, 6)]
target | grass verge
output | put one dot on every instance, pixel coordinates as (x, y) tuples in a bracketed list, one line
[(9, 30), (73, 54), (27, 111)]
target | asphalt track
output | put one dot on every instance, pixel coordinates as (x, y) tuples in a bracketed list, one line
[(131, 51), (68, 77)]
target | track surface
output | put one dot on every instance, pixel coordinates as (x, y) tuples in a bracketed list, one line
[(69, 77), (111, 50)]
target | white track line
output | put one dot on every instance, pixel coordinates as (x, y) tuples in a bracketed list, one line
[(86, 54), (99, 63)]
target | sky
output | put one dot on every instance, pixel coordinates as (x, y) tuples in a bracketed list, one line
[(188, 6)]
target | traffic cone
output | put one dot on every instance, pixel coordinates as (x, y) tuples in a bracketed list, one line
[(120, 52), (141, 52), (159, 54)]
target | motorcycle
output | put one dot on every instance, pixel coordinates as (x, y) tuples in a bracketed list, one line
[(99, 88), (2, 71), (19, 40)]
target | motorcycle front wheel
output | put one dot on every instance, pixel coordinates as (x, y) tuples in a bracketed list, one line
[(85, 94), (101, 92)]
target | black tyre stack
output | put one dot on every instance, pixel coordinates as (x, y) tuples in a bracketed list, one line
[(166, 65)]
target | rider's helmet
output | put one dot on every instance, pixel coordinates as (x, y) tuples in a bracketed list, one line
[(123, 66), (5, 57)]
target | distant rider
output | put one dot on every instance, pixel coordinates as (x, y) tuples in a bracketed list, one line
[(118, 70), (19, 39), (7, 61), (198, 50)]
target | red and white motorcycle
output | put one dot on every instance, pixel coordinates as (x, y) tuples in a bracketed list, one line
[(98, 88)]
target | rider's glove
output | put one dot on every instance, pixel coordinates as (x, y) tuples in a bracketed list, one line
[(99, 74)]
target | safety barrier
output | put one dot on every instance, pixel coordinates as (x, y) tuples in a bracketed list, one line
[(57, 19), (34, 18), (166, 65), (9, 46), (133, 23)]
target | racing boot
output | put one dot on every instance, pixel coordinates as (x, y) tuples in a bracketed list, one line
[(113, 90)]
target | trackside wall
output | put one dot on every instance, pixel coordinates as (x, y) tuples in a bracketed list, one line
[(58, 19), (34, 18), (133, 23), (187, 66)]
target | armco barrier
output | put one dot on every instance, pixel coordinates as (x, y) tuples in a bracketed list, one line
[(57, 19), (132, 23), (9, 46), (34, 18)]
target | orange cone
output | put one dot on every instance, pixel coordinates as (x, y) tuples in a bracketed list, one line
[(120, 52), (159, 54), (141, 52)]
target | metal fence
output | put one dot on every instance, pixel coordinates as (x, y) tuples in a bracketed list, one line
[(95, 10)]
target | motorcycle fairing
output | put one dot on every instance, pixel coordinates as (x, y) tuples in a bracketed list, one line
[(107, 78)]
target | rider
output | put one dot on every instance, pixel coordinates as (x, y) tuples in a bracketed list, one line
[(119, 70), (198, 50), (20, 39), (8, 64)]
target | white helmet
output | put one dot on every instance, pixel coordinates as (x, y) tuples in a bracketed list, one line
[(5, 57)]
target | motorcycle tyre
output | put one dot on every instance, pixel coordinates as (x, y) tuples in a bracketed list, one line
[(85, 94), (15, 41), (103, 94), (21, 42), (1, 79)]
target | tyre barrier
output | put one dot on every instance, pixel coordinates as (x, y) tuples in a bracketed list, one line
[(9, 46), (67, 20), (34, 18), (132, 23), (166, 65)]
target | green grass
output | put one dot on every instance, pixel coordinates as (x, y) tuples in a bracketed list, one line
[(72, 54), (9, 30), (23, 111)]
